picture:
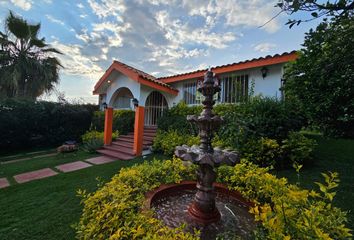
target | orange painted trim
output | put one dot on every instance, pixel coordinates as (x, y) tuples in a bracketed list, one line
[(108, 126), (132, 75), (234, 67), (138, 131), (158, 87)]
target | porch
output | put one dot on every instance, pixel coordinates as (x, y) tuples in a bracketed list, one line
[(124, 87)]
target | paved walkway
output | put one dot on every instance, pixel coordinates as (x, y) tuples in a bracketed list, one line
[(4, 183), (63, 168)]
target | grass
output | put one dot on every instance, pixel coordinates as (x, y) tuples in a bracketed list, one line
[(10, 169), (46, 209), (336, 155)]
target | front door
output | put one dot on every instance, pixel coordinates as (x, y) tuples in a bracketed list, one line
[(155, 107)]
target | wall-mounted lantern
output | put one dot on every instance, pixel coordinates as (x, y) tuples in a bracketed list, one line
[(104, 105), (264, 71), (135, 102)]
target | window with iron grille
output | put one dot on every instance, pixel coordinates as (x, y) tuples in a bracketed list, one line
[(234, 88), (190, 93)]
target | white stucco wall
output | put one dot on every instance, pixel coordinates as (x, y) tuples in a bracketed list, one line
[(118, 81), (270, 85)]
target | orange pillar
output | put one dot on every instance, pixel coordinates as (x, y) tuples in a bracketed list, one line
[(138, 130), (108, 125)]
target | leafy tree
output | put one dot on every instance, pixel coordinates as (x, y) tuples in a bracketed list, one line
[(27, 65), (316, 8), (322, 78)]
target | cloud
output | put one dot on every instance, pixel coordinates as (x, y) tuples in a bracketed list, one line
[(236, 13), (106, 8), (264, 47), (54, 20), (80, 5), (75, 62), (24, 4)]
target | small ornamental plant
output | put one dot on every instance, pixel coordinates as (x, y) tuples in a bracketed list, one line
[(283, 210)]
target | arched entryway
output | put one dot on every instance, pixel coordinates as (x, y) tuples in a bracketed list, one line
[(122, 99), (155, 107)]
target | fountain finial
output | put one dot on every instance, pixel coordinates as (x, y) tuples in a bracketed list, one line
[(203, 208)]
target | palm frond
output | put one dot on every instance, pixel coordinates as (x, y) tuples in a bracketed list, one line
[(17, 26)]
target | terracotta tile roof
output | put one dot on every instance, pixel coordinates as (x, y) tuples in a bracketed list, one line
[(136, 75), (261, 61), (144, 75)]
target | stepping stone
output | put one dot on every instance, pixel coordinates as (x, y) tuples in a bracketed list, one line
[(4, 183), (34, 175), (70, 167), (101, 160)]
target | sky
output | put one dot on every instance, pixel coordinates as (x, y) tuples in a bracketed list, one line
[(160, 37)]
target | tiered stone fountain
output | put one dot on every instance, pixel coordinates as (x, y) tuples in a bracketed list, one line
[(203, 208), (212, 212)]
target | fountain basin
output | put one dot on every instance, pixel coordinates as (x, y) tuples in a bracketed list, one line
[(170, 203)]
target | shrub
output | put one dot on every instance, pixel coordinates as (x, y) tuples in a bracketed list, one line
[(176, 119), (123, 121), (113, 212), (263, 151), (93, 140), (26, 123), (261, 117), (297, 149), (285, 211), (166, 142)]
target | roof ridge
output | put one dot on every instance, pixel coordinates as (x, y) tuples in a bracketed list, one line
[(135, 69)]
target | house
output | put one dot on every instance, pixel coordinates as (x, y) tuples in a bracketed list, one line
[(125, 87)]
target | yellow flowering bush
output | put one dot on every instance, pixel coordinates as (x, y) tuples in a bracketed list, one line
[(284, 211)]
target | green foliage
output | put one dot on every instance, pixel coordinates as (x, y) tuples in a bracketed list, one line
[(297, 149), (322, 78), (114, 211), (27, 66), (26, 123), (123, 121), (176, 119), (263, 151), (285, 211), (93, 140), (166, 142), (316, 8), (260, 117)]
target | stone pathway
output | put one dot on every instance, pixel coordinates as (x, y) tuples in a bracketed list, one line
[(100, 160), (4, 183), (34, 175), (64, 168), (73, 166)]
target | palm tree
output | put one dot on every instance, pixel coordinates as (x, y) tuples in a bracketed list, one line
[(27, 65)]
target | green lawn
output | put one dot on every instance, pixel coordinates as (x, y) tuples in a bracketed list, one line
[(46, 209), (11, 169), (336, 155)]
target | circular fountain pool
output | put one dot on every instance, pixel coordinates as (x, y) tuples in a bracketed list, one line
[(170, 204)]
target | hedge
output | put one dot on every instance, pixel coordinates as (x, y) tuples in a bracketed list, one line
[(26, 123), (284, 211), (123, 121)]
